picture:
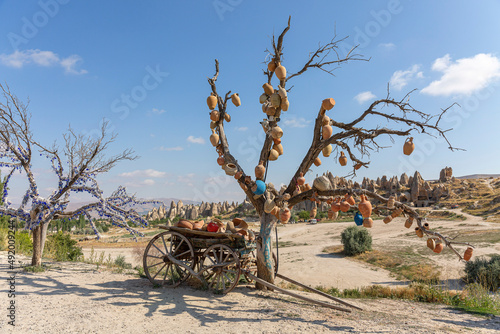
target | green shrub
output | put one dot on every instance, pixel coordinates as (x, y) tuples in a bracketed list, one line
[(485, 272), (24, 245), (61, 247), (356, 240), (120, 262)]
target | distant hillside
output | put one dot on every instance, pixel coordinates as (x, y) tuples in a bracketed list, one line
[(478, 176)]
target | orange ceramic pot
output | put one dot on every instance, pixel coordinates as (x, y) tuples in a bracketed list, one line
[(328, 104), (468, 253), (419, 232), (368, 222), (185, 224), (317, 162), (342, 159), (365, 207), (349, 199), (344, 206), (260, 170), (409, 146), (214, 115), (212, 102), (301, 179), (235, 98)]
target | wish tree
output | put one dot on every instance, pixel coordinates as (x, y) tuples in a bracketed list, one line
[(352, 141)]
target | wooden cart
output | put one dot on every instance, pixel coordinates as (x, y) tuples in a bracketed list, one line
[(215, 259)]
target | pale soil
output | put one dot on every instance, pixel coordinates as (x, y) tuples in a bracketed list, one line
[(76, 298)]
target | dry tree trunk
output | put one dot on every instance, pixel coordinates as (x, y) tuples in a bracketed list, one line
[(265, 266), (36, 260)]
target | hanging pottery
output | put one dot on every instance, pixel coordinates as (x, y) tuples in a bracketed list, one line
[(273, 155), (328, 104), (227, 117), (198, 225), (390, 202), (349, 199), (259, 187), (439, 247), (387, 219), (426, 226), (230, 169), (268, 89), (276, 141), (276, 212), (214, 115), (284, 104), (214, 138), (409, 222), (322, 183), (301, 179), (325, 120), (213, 125), (342, 159), (396, 213), (357, 166), (248, 180), (368, 222), (409, 146), (238, 175), (365, 207), (243, 186), (220, 161), (358, 219), (263, 98), (275, 100), (265, 125), (468, 253), (272, 65), (269, 204), (285, 215), (307, 187), (344, 206), (336, 205), (280, 72), (260, 170), (419, 232), (212, 101), (276, 132), (235, 98), (282, 92), (317, 162), (327, 150), (431, 243), (270, 111), (332, 214), (278, 148), (327, 131)]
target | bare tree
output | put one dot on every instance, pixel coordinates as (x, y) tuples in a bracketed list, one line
[(76, 166), (347, 137)]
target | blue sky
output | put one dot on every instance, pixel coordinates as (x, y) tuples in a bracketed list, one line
[(143, 67)]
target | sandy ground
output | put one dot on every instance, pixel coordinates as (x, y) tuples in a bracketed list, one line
[(77, 298)]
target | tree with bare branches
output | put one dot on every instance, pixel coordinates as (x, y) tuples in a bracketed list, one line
[(76, 166), (274, 205)]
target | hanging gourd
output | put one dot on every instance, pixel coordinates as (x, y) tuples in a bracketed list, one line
[(327, 150), (273, 155), (431, 243), (263, 98), (439, 247), (409, 222), (276, 132), (235, 98), (284, 104), (212, 101), (280, 72), (285, 215), (328, 104), (214, 115), (349, 199), (327, 131), (332, 214), (419, 232), (275, 100), (268, 89), (260, 170), (325, 120), (358, 219), (344, 206), (214, 138), (317, 162), (342, 159), (409, 146), (221, 161), (390, 202)]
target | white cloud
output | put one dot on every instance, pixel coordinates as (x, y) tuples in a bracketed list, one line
[(364, 96), (168, 149), (243, 128), (144, 173), (401, 78), (18, 59), (195, 140), (158, 111), (387, 46), (464, 76), (148, 182), (296, 122), (187, 179)]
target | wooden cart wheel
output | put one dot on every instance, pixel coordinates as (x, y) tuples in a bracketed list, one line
[(253, 268), (220, 267), (157, 266)]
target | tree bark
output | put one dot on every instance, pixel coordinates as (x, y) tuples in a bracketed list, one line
[(265, 267), (36, 260)]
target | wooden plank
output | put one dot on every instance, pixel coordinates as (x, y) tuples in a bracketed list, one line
[(317, 291), (286, 292)]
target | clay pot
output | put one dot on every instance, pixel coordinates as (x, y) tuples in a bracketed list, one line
[(248, 180), (368, 222), (235, 98), (307, 187), (285, 215), (198, 225), (409, 146), (221, 161), (280, 72), (276, 212), (276, 141), (327, 131), (336, 205), (214, 115), (349, 199), (282, 92), (468, 253), (313, 212), (332, 214), (357, 166), (278, 148), (286, 197), (426, 226), (273, 155), (276, 132), (365, 207), (243, 186), (238, 175), (358, 219), (230, 169), (269, 204), (270, 111), (263, 98), (419, 232), (268, 89), (328, 104), (342, 159), (275, 100), (431, 243), (227, 117), (388, 219), (409, 222), (327, 150), (212, 101), (213, 125), (317, 162), (439, 248), (322, 183), (396, 213), (214, 138), (260, 170), (344, 206), (301, 179), (390, 202), (184, 223), (325, 120), (285, 104), (265, 125), (271, 66)]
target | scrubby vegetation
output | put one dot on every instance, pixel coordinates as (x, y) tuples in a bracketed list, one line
[(61, 247), (485, 272), (356, 240)]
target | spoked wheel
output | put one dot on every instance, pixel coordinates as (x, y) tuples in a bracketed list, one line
[(253, 266), (159, 269), (220, 268)]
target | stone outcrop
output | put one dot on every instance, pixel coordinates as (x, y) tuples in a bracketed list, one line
[(446, 174), (191, 211)]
